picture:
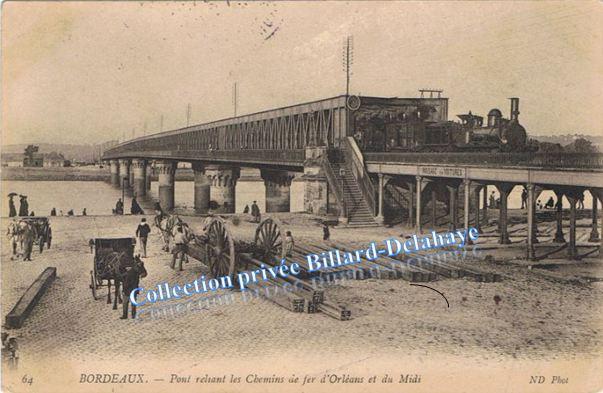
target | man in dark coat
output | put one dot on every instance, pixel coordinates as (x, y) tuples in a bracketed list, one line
[(325, 232), (524, 199), (142, 232), (23, 206), (131, 279), (255, 212), (12, 211)]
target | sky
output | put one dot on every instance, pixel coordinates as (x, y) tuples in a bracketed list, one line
[(88, 72)]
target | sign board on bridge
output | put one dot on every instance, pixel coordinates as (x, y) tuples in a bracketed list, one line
[(443, 171)]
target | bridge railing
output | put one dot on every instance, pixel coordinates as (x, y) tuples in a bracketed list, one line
[(285, 157), (542, 160), (354, 157)]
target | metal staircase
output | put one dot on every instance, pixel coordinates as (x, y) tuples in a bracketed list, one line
[(353, 188)]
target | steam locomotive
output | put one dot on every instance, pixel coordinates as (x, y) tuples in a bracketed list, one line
[(418, 131)]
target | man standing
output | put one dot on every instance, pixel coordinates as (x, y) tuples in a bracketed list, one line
[(179, 248), (492, 201), (288, 244), (325, 232), (142, 233), (131, 279), (255, 212), (524, 198)]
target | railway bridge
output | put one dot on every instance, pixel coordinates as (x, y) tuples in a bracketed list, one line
[(316, 143)]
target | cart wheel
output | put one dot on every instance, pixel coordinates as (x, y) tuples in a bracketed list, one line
[(93, 285), (220, 250), (48, 242), (268, 240), (41, 244)]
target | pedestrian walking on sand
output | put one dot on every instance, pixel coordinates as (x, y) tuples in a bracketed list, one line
[(142, 233), (84, 212), (53, 212), (288, 244), (179, 250), (246, 210), (325, 232), (131, 279), (255, 212)]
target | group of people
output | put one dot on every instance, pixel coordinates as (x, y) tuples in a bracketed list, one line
[(70, 212), (255, 211), (134, 208), (23, 206), (494, 203), (24, 234)]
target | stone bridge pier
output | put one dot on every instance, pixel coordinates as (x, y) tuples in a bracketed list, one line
[(114, 168), (139, 170), (278, 190), (222, 191), (166, 170), (202, 188), (316, 186), (124, 173)]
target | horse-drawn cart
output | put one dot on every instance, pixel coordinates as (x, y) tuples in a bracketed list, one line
[(111, 257), (42, 230)]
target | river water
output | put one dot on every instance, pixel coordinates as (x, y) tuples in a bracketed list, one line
[(99, 197)]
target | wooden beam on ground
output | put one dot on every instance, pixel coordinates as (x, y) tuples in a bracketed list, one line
[(16, 317)]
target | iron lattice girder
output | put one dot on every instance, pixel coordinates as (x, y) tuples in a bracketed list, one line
[(293, 127)]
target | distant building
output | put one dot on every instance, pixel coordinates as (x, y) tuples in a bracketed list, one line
[(12, 159), (54, 159), (37, 160)]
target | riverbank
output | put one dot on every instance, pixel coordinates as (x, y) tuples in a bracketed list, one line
[(84, 173), (538, 317)]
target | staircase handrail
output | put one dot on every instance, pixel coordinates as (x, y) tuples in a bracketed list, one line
[(353, 156), (332, 179)]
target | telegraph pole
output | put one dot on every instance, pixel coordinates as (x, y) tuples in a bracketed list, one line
[(347, 61), (161, 124), (188, 115)]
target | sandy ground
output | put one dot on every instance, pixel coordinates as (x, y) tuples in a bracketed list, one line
[(552, 313)]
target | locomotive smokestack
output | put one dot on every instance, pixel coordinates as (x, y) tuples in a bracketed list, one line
[(514, 108)]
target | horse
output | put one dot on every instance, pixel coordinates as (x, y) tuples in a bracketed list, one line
[(168, 226), (113, 269), (27, 233)]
